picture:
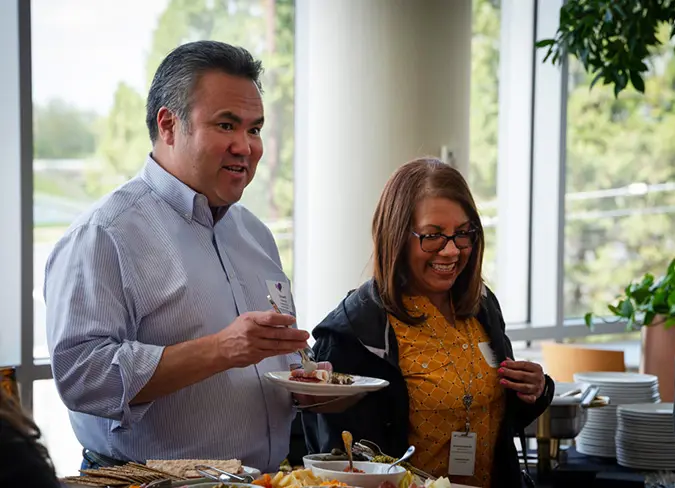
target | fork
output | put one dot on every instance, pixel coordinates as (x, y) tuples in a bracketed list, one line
[(307, 364)]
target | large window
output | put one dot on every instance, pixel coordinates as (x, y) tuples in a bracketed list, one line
[(484, 123), (620, 199), (89, 105)]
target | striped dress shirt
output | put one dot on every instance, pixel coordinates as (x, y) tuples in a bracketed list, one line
[(145, 268)]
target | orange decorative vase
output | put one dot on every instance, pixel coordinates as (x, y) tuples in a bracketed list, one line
[(658, 356)]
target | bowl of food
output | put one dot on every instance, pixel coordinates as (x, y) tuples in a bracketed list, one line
[(365, 474), (311, 459)]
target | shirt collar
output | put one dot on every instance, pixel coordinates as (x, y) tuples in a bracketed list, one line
[(184, 200)]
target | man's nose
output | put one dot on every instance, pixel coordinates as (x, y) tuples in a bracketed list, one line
[(241, 145)]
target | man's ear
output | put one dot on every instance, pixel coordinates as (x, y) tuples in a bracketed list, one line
[(167, 125)]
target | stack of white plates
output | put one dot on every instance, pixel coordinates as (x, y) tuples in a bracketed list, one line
[(597, 438), (645, 438)]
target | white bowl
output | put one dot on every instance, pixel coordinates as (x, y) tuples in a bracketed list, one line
[(374, 473)]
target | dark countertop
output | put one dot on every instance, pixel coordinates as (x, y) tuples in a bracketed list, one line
[(581, 471)]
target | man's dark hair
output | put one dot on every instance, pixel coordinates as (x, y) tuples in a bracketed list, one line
[(179, 72)]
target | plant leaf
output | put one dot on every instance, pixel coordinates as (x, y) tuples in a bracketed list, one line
[(637, 81), (544, 43), (671, 299), (669, 323), (588, 318), (595, 80), (626, 308), (648, 318)]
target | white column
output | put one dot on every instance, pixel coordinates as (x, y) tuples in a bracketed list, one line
[(15, 185), (378, 82), (516, 85)]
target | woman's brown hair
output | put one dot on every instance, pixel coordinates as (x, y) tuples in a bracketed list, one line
[(13, 415), (392, 227)]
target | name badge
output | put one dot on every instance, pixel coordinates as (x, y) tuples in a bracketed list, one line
[(488, 354), (462, 454), (281, 294)]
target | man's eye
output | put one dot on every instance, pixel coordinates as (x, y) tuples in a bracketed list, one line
[(256, 131), (226, 126)]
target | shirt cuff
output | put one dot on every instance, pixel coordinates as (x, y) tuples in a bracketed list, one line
[(137, 363)]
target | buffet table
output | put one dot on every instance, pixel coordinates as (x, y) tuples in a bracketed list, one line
[(591, 472)]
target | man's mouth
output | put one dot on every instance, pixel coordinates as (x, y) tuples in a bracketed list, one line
[(235, 169), (445, 267)]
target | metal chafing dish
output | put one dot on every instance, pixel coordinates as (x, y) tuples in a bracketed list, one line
[(563, 420)]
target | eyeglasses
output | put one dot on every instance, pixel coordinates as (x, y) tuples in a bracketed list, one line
[(437, 242)]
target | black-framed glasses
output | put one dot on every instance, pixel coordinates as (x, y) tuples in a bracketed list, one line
[(463, 239)]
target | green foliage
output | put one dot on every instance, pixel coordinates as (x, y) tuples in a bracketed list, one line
[(646, 299), (611, 143), (621, 143), (123, 143), (61, 131), (612, 39)]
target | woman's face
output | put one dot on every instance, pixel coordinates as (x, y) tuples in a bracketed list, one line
[(434, 273)]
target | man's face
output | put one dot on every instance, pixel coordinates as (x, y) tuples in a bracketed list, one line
[(218, 154)]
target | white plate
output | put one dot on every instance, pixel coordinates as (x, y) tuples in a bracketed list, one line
[(362, 384), (649, 409), (601, 378)]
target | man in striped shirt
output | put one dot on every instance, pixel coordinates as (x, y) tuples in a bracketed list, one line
[(158, 324)]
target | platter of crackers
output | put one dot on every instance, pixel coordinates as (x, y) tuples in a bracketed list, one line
[(180, 471), (126, 475)]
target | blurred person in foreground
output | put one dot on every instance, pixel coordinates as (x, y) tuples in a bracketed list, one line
[(427, 323), (158, 324), (24, 461)]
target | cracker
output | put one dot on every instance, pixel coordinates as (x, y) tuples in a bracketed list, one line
[(186, 467), (95, 481)]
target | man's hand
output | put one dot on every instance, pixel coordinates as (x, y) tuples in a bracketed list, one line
[(255, 336)]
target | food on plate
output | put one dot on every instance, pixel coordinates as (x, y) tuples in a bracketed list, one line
[(185, 468), (438, 483), (128, 474), (353, 470), (321, 376), (295, 479), (384, 459)]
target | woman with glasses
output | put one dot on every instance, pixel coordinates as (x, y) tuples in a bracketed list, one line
[(427, 323)]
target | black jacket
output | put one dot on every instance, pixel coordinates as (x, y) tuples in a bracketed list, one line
[(21, 464), (357, 339)]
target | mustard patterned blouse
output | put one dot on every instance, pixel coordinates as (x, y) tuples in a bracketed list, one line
[(426, 354)]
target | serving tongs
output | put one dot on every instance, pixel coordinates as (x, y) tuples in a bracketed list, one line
[(369, 450), (222, 476)]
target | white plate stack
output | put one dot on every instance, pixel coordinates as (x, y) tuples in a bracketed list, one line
[(597, 438), (645, 438)]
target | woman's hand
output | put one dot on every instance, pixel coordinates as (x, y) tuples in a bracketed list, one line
[(524, 377)]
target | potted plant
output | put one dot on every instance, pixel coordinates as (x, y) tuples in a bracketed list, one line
[(649, 305), (612, 39)]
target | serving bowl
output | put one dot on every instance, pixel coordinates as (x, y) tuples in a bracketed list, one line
[(373, 473)]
